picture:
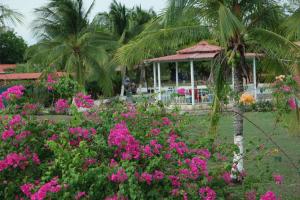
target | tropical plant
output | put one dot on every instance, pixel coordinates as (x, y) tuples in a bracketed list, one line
[(8, 15), (236, 25), (125, 24), (71, 43)]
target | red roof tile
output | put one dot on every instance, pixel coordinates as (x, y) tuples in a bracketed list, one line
[(25, 76), (184, 57), (4, 67), (201, 47)]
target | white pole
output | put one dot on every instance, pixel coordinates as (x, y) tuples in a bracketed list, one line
[(154, 77), (177, 82), (192, 82), (254, 78), (232, 77), (159, 81)]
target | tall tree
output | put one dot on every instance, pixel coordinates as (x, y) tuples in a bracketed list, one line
[(12, 48), (235, 24), (71, 43)]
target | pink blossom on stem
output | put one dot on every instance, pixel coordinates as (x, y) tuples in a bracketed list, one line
[(227, 178), (207, 193), (36, 158), (119, 177), (158, 175), (269, 196), (8, 134), (27, 188), (292, 104), (146, 177), (61, 106), (278, 179), (83, 101), (79, 195)]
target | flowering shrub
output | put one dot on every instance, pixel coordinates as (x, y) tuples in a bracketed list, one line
[(83, 101), (131, 152), (61, 106)]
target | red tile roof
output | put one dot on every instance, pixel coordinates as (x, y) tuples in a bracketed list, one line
[(184, 57), (201, 51), (4, 67), (201, 47), (25, 76)]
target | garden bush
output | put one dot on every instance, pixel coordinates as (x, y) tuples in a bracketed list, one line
[(130, 152)]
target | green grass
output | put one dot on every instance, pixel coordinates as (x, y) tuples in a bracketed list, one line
[(278, 163)]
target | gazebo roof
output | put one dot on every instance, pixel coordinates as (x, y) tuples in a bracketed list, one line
[(201, 51)]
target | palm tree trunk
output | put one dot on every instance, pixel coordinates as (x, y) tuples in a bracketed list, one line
[(238, 166)]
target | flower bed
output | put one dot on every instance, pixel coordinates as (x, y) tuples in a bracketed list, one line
[(131, 152)]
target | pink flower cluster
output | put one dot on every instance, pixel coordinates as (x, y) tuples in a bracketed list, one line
[(269, 196), (181, 91), (13, 124), (207, 193), (152, 149), (14, 92), (13, 160), (227, 178), (166, 121), (50, 82), (148, 178), (80, 195), (81, 134), (83, 101), (49, 187), (131, 112), (29, 108), (119, 177), (180, 147), (292, 103), (278, 179), (116, 197), (127, 145), (197, 167), (2, 106), (61, 106)]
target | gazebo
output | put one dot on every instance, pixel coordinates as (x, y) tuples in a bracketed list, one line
[(203, 51)]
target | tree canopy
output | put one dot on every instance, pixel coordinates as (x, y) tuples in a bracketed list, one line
[(12, 48)]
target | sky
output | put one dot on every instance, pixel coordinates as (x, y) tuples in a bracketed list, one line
[(26, 7)]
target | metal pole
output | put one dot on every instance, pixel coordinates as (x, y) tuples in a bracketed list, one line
[(254, 78), (154, 77), (159, 81), (177, 79), (192, 82)]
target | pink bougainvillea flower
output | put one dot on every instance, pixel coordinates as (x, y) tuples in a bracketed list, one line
[(175, 181), (27, 189), (23, 135), (119, 177), (155, 131), (61, 106), (79, 195), (146, 177), (292, 104), (49, 187), (269, 196), (207, 193), (158, 175), (13, 160), (278, 179), (181, 91), (166, 121), (14, 92), (2, 106), (36, 158), (83, 101), (8, 134), (227, 178)]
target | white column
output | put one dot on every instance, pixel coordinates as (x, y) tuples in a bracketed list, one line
[(159, 81), (177, 79), (192, 82), (232, 77), (254, 78), (154, 77)]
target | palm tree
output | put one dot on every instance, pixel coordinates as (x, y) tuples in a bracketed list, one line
[(8, 15), (125, 24), (237, 25), (70, 42)]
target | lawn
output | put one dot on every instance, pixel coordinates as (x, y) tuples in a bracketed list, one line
[(278, 163)]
